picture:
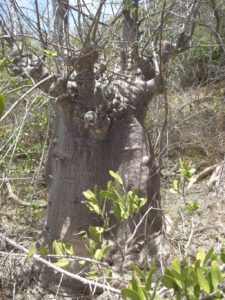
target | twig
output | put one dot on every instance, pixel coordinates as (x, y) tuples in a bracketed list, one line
[(60, 270), (190, 236), (136, 227), (69, 257)]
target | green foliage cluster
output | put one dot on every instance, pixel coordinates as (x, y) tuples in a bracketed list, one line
[(142, 285), (194, 277), (123, 206), (191, 278), (186, 174)]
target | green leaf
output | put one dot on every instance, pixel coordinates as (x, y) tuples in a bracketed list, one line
[(154, 294), (203, 282), (108, 273), (177, 278), (92, 244), (110, 185), (98, 254), (106, 249), (94, 208), (89, 195), (140, 273), (43, 251), (192, 206), (135, 282), (62, 263), (142, 293), (50, 53), (201, 255), (96, 233), (149, 278), (168, 281), (116, 176), (31, 251), (68, 248), (197, 291), (129, 294), (107, 195), (176, 185), (192, 171), (142, 202), (208, 256), (92, 275), (58, 248), (216, 275), (222, 240), (176, 265), (82, 234), (222, 255), (2, 104), (117, 211), (117, 196)]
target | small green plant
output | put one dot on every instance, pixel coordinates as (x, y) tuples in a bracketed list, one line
[(142, 286), (195, 276), (192, 278), (192, 206), (123, 206), (186, 172)]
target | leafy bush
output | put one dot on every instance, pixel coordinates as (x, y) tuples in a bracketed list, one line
[(195, 277), (123, 206)]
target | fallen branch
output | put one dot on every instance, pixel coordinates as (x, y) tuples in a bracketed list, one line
[(216, 176), (68, 257), (64, 272), (202, 174), (14, 197)]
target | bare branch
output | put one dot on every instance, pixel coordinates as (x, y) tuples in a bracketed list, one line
[(90, 283)]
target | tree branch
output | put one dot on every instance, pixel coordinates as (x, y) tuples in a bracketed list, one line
[(38, 258)]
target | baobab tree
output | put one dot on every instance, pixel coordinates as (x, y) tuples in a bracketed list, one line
[(99, 104)]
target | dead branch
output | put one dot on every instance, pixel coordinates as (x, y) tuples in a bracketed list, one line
[(64, 272), (216, 176), (202, 174), (14, 197)]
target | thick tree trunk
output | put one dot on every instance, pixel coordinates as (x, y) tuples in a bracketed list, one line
[(78, 162), (81, 155)]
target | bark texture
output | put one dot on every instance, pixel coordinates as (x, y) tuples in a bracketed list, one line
[(78, 160)]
